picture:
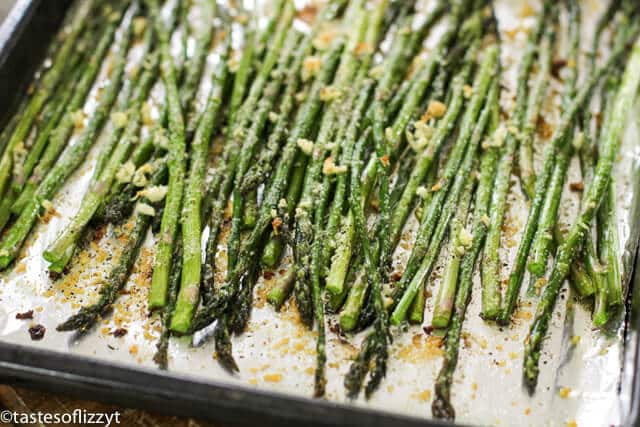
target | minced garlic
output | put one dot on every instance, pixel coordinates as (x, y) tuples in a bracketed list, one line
[(154, 193), (305, 145), (420, 137), (422, 192), (139, 25), (330, 168), (146, 114), (310, 67), (119, 119), (78, 118), (125, 173), (468, 91), (145, 209), (436, 109), (329, 93)]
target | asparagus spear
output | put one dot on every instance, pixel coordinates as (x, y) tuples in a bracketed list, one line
[(61, 250), (609, 246), (269, 29), (50, 119), (301, 128), (274, 247), (251, 137), (462, 149), (441, 406), (161, 357), (415, 275), (536, 99), (176, 164), (241, 76), (318, 261), (63, 131), (88, 316), (288, 103), (45, 89), (10, 125), (395, 68), (194, 67), (416, 313), (559, 136), (120, 202), (346, 246), (446, 294), (608, 239), (69, 161), (424, 158), (357, 294), (192, 209), (376, 343), (304, 218), (593, 265), (491, 261), (51, 115), (336, 276), (595, 194), (545, 234)]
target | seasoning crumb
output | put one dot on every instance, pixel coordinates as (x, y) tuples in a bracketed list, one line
[(310, 67), (424, 396), (329, 93), (330, 168), (564, 392), (37, 332), (273, 378), (436, 109), (133, 349)]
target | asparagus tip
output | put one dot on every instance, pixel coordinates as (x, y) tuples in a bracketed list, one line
[(442, 408)]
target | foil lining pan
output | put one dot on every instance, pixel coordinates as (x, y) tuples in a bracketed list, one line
[(582, 377)]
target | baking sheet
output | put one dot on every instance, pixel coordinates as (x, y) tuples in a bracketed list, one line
[(277, 353)]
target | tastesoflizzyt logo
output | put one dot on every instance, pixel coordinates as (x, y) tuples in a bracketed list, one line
[(77, 416)]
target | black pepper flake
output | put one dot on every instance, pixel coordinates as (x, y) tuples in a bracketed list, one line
[(120, 332), (557, 66), (268, 275), (428, 329), (37, 332), (25, 315), (54, 276)]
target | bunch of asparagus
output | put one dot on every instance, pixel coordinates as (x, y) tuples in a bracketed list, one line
[(331, 138)]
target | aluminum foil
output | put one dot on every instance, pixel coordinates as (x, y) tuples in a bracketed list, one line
[(582, 368)]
